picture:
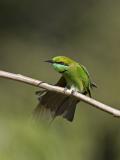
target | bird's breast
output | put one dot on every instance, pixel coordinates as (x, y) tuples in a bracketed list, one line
[(73, 82)]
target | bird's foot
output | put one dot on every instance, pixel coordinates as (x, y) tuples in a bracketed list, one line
[(65, 89), (73, 92)]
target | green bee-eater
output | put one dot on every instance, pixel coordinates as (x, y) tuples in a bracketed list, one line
[(75, 77)]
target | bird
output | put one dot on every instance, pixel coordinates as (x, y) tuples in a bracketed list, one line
[(74, 76)]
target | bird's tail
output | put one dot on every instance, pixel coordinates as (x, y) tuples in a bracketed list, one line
[(57, 105)]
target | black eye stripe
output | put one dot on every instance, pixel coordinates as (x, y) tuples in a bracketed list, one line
[(62, 63)]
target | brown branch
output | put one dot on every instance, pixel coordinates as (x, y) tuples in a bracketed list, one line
[(40, 84)]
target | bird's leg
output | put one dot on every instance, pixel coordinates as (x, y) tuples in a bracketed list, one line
[(73, 92), (65, 89)]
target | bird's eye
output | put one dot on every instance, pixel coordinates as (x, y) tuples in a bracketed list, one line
[(62, 63)]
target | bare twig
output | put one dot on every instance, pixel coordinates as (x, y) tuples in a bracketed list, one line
[(40, 84)]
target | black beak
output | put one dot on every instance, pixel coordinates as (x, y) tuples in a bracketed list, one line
[(49, 61)]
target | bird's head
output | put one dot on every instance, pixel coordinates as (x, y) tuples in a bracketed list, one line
[(61, 63)]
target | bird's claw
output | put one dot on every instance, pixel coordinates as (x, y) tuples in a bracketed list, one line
[(65, 89), (73, 92)]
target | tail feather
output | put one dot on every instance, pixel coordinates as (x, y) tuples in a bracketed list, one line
[(56, 103), (62, 107), (70, 112)]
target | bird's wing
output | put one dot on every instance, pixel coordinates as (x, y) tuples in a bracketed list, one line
[(62, 82), (85, 70), (92, 84)]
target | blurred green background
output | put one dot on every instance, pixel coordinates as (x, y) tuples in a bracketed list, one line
[(33, 31)]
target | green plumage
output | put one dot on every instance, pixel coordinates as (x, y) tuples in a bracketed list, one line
[(74, 77)]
